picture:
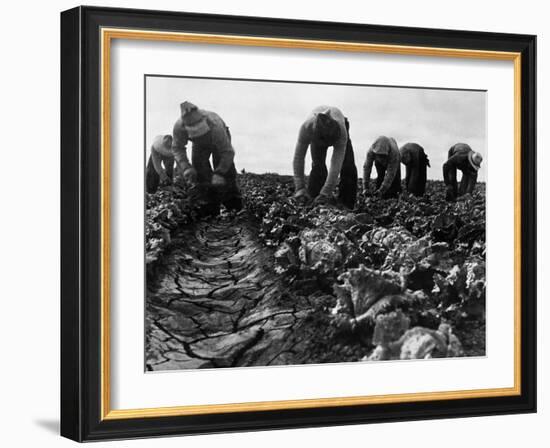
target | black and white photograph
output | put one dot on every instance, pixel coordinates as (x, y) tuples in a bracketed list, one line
[(297, 223), (275, 224)]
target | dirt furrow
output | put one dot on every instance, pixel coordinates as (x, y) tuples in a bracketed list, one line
[(219, 304)]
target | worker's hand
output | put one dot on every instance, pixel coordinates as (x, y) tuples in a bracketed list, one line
[(302, 195), (378, 193), (321, 200), (190, 175), (218, 180), (164, 180)]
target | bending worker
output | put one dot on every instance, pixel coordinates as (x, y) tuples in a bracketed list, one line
[(210, 137), (326, 126), (384, 153), (416, 166), (161, 153), (463, 158)]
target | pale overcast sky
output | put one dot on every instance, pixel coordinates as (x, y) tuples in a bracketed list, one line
[(264, 117)]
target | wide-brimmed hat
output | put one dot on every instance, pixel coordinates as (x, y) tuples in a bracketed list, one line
[(193, 120), (475, 159)]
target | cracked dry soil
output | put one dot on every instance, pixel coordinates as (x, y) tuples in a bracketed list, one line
[(217, 303)]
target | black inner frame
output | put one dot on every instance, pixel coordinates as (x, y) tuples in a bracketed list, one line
[(81, 223)]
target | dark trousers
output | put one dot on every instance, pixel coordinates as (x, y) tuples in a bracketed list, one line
[(415, 176), (212, 197), (347, 188), (467, 183), (395, 187), (152, 178)]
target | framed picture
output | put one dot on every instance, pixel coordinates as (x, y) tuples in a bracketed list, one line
[(275, 224)]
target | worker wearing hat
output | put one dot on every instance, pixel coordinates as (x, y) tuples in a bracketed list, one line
[(161, 154), (384, 154), (325, 126), (461, 157), (210, 137), (416, 166)]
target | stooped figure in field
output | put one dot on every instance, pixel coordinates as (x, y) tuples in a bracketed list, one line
[(161, 154), (416, 166), (384, 154), (210, 137), (461, 157), (326, 126)]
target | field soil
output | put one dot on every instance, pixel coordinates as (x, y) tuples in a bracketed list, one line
[(285, 283)]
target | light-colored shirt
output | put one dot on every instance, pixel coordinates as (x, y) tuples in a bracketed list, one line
[(392, 164), (160, 148), (309, 135), (458, 159), (218, 140)]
